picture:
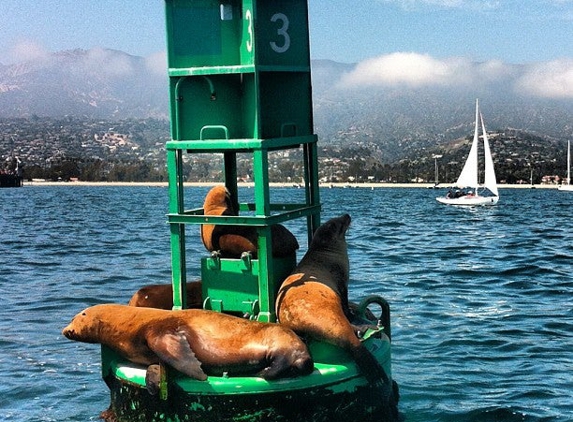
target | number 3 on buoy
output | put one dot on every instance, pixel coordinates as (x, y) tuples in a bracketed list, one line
[(282, 32), (249, 18)]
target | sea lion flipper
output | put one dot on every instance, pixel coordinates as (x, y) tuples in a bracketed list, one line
[(173, 349), (153, 379), (278, 365), (370, 367)]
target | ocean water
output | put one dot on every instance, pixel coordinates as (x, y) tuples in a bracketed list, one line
[(482, 299)]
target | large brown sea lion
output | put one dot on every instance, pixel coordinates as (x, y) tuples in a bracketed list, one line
[(160, 296), (232, 241), (313, 300), (193, 341)]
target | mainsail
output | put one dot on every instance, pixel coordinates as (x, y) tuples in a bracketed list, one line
[(469, 175), (567, 186)]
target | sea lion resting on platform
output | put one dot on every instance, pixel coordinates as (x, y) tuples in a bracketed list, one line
[(313, 300), (232, 241), (193, 341), (160, 296)]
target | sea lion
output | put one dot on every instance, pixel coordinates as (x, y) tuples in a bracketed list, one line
[(232, 241), (313, 300), (160, 296), (193, 341)]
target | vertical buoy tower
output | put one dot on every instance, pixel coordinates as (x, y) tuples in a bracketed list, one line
[(240, 83)]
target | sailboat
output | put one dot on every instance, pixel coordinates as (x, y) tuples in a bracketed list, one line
[(436, 182), (467, 190), (568, 186)]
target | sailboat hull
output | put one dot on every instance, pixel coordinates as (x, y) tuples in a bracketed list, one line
[(469, 200)]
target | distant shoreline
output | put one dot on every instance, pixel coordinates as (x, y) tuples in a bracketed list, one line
[(280, 185)]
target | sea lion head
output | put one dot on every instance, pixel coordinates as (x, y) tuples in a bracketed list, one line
[(218, 202), (85, 326), (288, 356), (331, 232)]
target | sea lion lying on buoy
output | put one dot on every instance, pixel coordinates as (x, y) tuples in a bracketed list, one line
[(160, 296), (313, 300), (193, 341), (232, 241)]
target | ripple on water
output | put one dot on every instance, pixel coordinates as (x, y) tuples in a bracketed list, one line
[(481, 299)]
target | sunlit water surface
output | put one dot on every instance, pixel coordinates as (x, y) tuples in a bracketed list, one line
[(482, 299)]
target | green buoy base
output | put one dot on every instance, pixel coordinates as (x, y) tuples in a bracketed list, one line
[(335, 391)]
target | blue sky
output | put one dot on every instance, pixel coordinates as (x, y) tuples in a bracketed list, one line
[(514, 31), (414, 40)]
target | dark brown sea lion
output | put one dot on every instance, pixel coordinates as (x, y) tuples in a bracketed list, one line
[(232, 241), (193, 341), (313, 300), (160, 296)]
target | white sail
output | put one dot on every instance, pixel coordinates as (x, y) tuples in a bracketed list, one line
[(489, 182), (568, 162), (469, 175)]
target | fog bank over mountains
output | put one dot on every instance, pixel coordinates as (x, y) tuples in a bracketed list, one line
[(394, 97), (96, 83)]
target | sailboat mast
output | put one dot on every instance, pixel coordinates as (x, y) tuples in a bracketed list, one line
[(568, 162), (476, 141)]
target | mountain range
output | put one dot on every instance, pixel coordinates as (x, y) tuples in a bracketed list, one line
[(96, 83), (109, 84)]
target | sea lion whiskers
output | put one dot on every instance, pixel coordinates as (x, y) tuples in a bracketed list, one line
[(76, 331)]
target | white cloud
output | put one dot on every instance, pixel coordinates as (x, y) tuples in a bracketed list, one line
[(157, 63), (421, 70), (26, 50), (109, 62), (552, 79)]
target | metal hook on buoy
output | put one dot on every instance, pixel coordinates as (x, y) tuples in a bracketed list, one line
[(384, 319)]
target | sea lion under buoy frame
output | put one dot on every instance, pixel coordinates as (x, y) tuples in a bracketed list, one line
[(160, 296), (195, 342), (232, 241), (313, 300)]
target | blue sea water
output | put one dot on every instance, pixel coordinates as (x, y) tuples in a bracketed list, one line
[(482, 299)]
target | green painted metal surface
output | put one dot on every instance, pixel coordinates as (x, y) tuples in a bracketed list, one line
[(233, 35), (232, 285), (239, 69)]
